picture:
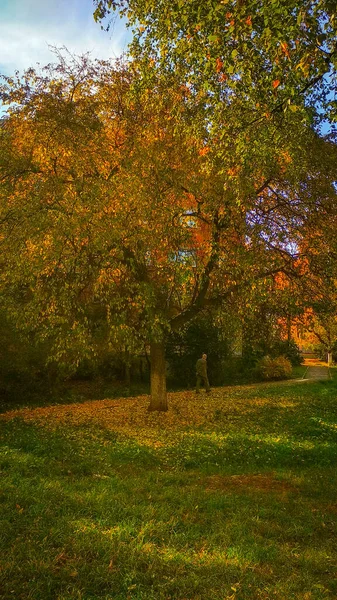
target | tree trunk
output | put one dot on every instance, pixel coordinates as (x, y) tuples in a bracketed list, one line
[(128, 375), (158, 377), (127, 363), (329, 359), (289, 328)]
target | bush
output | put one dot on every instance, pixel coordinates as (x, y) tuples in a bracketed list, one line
[(288, 349), (274, 368)]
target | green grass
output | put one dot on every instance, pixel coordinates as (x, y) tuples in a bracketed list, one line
[(239, 505), (299, 372)]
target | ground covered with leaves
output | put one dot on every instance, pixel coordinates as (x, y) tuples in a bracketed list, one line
[(230, 496)]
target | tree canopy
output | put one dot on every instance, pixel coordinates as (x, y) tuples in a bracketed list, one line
[(116, 221), (265, 56)]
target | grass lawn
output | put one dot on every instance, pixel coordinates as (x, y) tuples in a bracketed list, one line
[(230, 496)]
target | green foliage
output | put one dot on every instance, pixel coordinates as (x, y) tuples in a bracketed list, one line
[(266, 323), (288, 349), (24, 372), (185, 347), (261, 57), (113, 366), (273, 368), (15, 352)]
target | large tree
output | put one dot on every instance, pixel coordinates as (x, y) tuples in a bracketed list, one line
[(117, 213), (254, 67)]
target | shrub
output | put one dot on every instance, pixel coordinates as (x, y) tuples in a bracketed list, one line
[(274, 368), (288, 349)]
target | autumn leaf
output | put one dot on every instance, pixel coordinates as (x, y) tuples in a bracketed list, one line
[(203, 151), (233, 171), (285, 49), (219, 65)]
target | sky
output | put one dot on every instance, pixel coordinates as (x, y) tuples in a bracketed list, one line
[(29, 27)]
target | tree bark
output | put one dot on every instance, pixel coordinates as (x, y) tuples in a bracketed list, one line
[(289, 328), (127, 368), (127, 375), (158, 377), (329, 358)]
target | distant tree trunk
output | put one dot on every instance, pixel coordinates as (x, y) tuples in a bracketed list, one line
[(329, 358), (127, 368), (158, 377), (289, 328), (127, 374)]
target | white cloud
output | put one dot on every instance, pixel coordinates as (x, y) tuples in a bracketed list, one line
[(27, 32)]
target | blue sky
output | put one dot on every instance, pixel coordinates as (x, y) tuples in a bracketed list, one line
[(29, 27)]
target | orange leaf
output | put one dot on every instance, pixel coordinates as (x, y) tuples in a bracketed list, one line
[(285, 49), (203, 151), (219, 64), (276, 83)]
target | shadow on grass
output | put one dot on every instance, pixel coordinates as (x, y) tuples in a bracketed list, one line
[(243, 508), (68, 393)]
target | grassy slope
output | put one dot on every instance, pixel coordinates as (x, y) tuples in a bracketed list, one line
[(228, 496)]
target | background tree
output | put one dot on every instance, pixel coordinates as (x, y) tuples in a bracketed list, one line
[(316, 316), (267, 314), (210, 333)]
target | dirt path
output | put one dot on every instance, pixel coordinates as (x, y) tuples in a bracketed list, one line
[(317, 370)]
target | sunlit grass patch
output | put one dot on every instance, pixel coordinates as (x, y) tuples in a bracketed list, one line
[(231, 495)]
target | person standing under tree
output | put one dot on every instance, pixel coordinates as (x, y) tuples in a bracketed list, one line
[(201, 372)]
